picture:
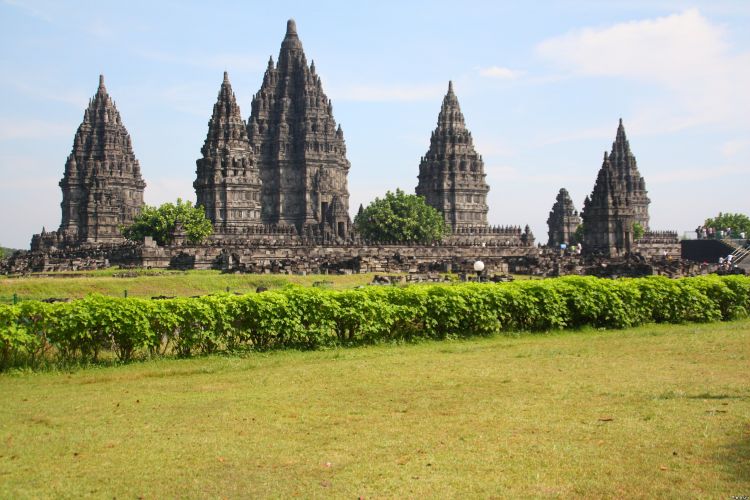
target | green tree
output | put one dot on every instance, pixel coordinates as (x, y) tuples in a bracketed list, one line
[(739, 223), (160, 222), (6, 252), (400, 217), (638, 231), (579, 234)]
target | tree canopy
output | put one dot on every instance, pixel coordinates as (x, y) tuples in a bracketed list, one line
[(160, 222), (638, 231), (578, 235), (400, 217), (738, 223), (6, 252)]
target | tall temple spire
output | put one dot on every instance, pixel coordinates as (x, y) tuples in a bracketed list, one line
[(451, 174), (299, 149), (563, 220), (102, 185), (227, 182), (618, 202), (626, 171)]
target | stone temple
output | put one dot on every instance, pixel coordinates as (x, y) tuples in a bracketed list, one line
[(298, 148), (102, 185), (563, 221), (275, 189), (451, 173), (619, 200), (227, 183)]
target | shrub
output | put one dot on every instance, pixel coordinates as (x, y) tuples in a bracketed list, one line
[(310, 318)]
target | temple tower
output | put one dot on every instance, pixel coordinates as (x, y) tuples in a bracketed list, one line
[(624, 163), (563, 220), (451, 174), (619, 200), (227, 182), (298, 147), (102, 186)]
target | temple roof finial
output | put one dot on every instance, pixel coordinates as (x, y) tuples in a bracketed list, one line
[(226, 77), (621, 139), (291, 27), (450, 86), (101, 81)]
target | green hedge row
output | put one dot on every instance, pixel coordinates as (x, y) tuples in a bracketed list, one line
[(35, 332)]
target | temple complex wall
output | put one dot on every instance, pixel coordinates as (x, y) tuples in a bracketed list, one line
[(273, 257), (659, 245)]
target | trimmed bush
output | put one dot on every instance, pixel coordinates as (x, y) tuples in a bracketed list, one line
[(34, 332)]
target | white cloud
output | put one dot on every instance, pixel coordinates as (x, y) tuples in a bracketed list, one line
[(500, 73), (31, 184), (32, 129), (684, 54), (499, 174), (492, 146), (733, 148), (30, 201), (42, 91), (602, 132), (693, 175)]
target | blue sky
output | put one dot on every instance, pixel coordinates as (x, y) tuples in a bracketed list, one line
[(541, 84)]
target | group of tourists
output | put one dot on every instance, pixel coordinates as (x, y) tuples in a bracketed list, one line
[(726, 263), (710, 233), (571, 249)]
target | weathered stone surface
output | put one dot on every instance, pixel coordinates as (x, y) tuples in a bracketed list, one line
[(227, 182), (491, 236), (299, 149), (656, 245), (102, 186), (563, 220), (361, 258), (618, 201), (72, 258), (451, 174)]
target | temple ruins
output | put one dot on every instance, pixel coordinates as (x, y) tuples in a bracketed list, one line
[(275, 189)]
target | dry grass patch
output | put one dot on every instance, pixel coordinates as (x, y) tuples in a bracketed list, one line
[(151, 283), (649, 412)]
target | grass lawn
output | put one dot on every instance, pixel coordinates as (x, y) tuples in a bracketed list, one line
[(658, 411), (150, 283)]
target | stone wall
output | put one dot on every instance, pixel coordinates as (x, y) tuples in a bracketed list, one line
[(658, 245), (296, 259), (264, 250), (276, 257), (80, 258)]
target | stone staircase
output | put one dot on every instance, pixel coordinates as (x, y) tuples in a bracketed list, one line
[(740, 253)]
